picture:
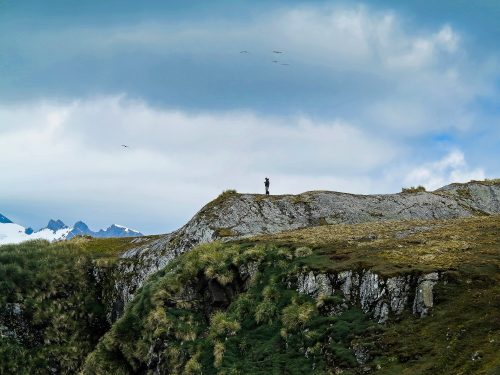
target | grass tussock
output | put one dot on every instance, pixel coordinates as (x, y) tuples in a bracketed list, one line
[(52, 308), (413, 190), (270, 327), (229, 308)]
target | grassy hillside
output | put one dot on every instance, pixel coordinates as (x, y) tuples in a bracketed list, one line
[(53, 302), (233, 308)]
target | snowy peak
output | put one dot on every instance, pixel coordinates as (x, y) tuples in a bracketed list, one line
[(115, 230), (56, 230), (55, 225), (80, 225)]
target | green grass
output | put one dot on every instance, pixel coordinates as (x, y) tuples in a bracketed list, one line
[(206, 313), (413, 190), (267, 328), (63, 306)]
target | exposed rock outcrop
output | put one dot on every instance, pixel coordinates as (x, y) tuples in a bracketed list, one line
[(234, 216), (377, 296)]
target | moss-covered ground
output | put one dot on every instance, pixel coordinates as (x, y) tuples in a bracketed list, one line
[(200, 316), (52, 310), (267, 328)]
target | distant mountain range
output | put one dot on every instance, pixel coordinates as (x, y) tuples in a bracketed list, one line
[(55, 230)]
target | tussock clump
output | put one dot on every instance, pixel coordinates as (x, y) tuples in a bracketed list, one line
[(303, 251), (413, 190)]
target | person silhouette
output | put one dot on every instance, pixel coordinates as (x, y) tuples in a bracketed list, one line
[(266, 184)]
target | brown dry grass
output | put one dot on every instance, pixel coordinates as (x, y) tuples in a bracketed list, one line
[(397, 245)]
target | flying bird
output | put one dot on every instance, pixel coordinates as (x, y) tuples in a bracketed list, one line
[(277, 51), (275, 61), (244, 51), (125, 146)]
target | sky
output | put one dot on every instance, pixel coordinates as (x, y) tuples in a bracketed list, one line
[(366, 97)]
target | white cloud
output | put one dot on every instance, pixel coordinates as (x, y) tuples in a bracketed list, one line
[(391, 84), (451, 168), (406, 80), (69, 154)]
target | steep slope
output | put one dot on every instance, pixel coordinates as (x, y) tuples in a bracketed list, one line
[(233, 216), (405, 297), (54, 298), (323, 298)]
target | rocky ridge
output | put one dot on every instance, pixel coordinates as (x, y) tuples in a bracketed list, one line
[(234, 216)]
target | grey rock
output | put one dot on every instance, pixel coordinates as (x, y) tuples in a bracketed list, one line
[(349, 283), (361, 354), (398, 288), (314, 285), (378, 297), (249, 214), (424, 297)]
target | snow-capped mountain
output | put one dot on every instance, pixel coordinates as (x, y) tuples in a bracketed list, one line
[(57, 230), (115, 230)]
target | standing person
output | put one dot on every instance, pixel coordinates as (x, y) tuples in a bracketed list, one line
[(266, 184)]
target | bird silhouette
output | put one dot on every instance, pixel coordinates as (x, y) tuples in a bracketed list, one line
[(244, 51), (275, 61), (125, 146), (277, 51)]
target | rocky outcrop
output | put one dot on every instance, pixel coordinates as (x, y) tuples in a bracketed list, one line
[(380, 297), (234, 216)]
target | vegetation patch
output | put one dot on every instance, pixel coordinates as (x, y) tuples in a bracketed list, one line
[(233, 308), (488, 181), (262, 325), (225, 232), (413, 190), (53, 302)]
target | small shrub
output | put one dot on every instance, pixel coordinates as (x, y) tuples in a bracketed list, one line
[(265, 312), (297, 314), (413, 190), (225, 232), (219, 350), (227, 193), (222, 325), (193, 366), (303, 251), (242, 306)]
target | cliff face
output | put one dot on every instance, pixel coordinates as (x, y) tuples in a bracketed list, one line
[(413, 297), (236, 216), (379, 297), (269, 288)]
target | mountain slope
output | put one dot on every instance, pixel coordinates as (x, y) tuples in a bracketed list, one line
[(400, 297), (284, 292), (234, 216)]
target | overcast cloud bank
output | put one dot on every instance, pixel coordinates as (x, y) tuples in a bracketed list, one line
[(368, 104)]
